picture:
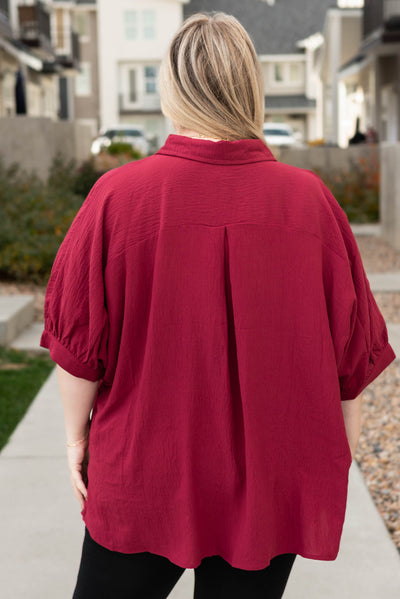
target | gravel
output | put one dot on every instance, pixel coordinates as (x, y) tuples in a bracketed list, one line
[(378, 454), (377, 255)]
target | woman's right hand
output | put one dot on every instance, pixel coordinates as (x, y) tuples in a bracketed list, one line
[(78, 459)]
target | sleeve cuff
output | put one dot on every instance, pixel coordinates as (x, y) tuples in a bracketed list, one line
[(63, 357), (385, 357)]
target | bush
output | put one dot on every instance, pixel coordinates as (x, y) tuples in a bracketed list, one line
[(35, 216), (120, 147), (356, 190), (70, 177)]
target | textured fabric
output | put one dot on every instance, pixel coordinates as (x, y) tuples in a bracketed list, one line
[(221, 299)]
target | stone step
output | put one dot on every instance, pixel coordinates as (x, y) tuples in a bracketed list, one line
[(16, 313), (29, 339), (366, 229), (384, 282), (394, 337)]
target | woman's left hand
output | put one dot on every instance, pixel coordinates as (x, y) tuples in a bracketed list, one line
[(78, 459)]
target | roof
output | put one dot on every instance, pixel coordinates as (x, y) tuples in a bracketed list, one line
[(21, 52), (289, 102), (273, 29)]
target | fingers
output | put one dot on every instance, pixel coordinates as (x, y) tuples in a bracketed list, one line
[(79, 488), (78, 461)]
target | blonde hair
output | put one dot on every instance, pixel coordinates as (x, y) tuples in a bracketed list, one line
[(210, 79)]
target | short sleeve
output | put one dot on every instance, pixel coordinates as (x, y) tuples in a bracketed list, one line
[(359, 330), (76, 323)]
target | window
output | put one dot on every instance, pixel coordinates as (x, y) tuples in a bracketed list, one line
[(132, 94), (82, 25), (350, 3), (83, 81), (140, 25), (150, 78), (60, 29), (296, 73), (149, 24), (288, 73), (279, 72), (130, 24)]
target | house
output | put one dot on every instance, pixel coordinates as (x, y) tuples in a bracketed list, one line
[(134, 36), (40, 50), (287, 36), (132, 40), (341, 99), (374, 69), (26, 85), (86, 90), (74, 31)]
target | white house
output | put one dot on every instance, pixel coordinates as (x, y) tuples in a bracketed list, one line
[(133, 37), (341, 99), (374, 69)]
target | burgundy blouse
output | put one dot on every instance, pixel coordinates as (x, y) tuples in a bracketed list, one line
[(221, 299)]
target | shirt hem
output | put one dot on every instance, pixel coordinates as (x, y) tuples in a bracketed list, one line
[(191, 563)]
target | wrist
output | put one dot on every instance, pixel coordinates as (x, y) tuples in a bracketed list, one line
[(78, 442), (77, 436)]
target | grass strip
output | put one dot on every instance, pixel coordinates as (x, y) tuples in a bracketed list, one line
[(21, 376)]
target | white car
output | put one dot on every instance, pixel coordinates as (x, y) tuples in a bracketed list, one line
[(131, 134), (279, 134)]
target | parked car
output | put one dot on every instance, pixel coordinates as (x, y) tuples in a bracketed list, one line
[(131, 134), (279, 134)]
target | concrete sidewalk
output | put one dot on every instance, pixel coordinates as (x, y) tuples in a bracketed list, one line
[(41, 528)]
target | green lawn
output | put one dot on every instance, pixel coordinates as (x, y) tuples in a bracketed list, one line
[(21, 376)]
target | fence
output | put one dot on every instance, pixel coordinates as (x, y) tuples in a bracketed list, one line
[(326, 158), (33, 142), (390, 193)]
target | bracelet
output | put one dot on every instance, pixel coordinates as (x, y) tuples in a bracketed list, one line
[(77, 442)]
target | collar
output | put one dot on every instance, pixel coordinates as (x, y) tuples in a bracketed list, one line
[(242, 151)]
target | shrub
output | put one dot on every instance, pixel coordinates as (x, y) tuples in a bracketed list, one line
[(35, 216), (85, 177), (70, 177), (120, 147), (34, 219), (356, 190)]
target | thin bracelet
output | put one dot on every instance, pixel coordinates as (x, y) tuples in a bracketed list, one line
[(77, 442)]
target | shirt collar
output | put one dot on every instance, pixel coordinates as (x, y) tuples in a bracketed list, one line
[(242, 151)]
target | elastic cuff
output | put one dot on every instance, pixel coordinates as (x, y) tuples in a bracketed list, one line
[(63, 357), (382, 361), (385, 357)]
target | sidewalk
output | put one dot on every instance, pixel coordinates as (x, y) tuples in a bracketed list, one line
[(41, 529)]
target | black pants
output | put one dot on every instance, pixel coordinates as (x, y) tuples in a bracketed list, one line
[(105, 574)]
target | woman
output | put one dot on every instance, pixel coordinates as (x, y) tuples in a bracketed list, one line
[(211, 306)]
